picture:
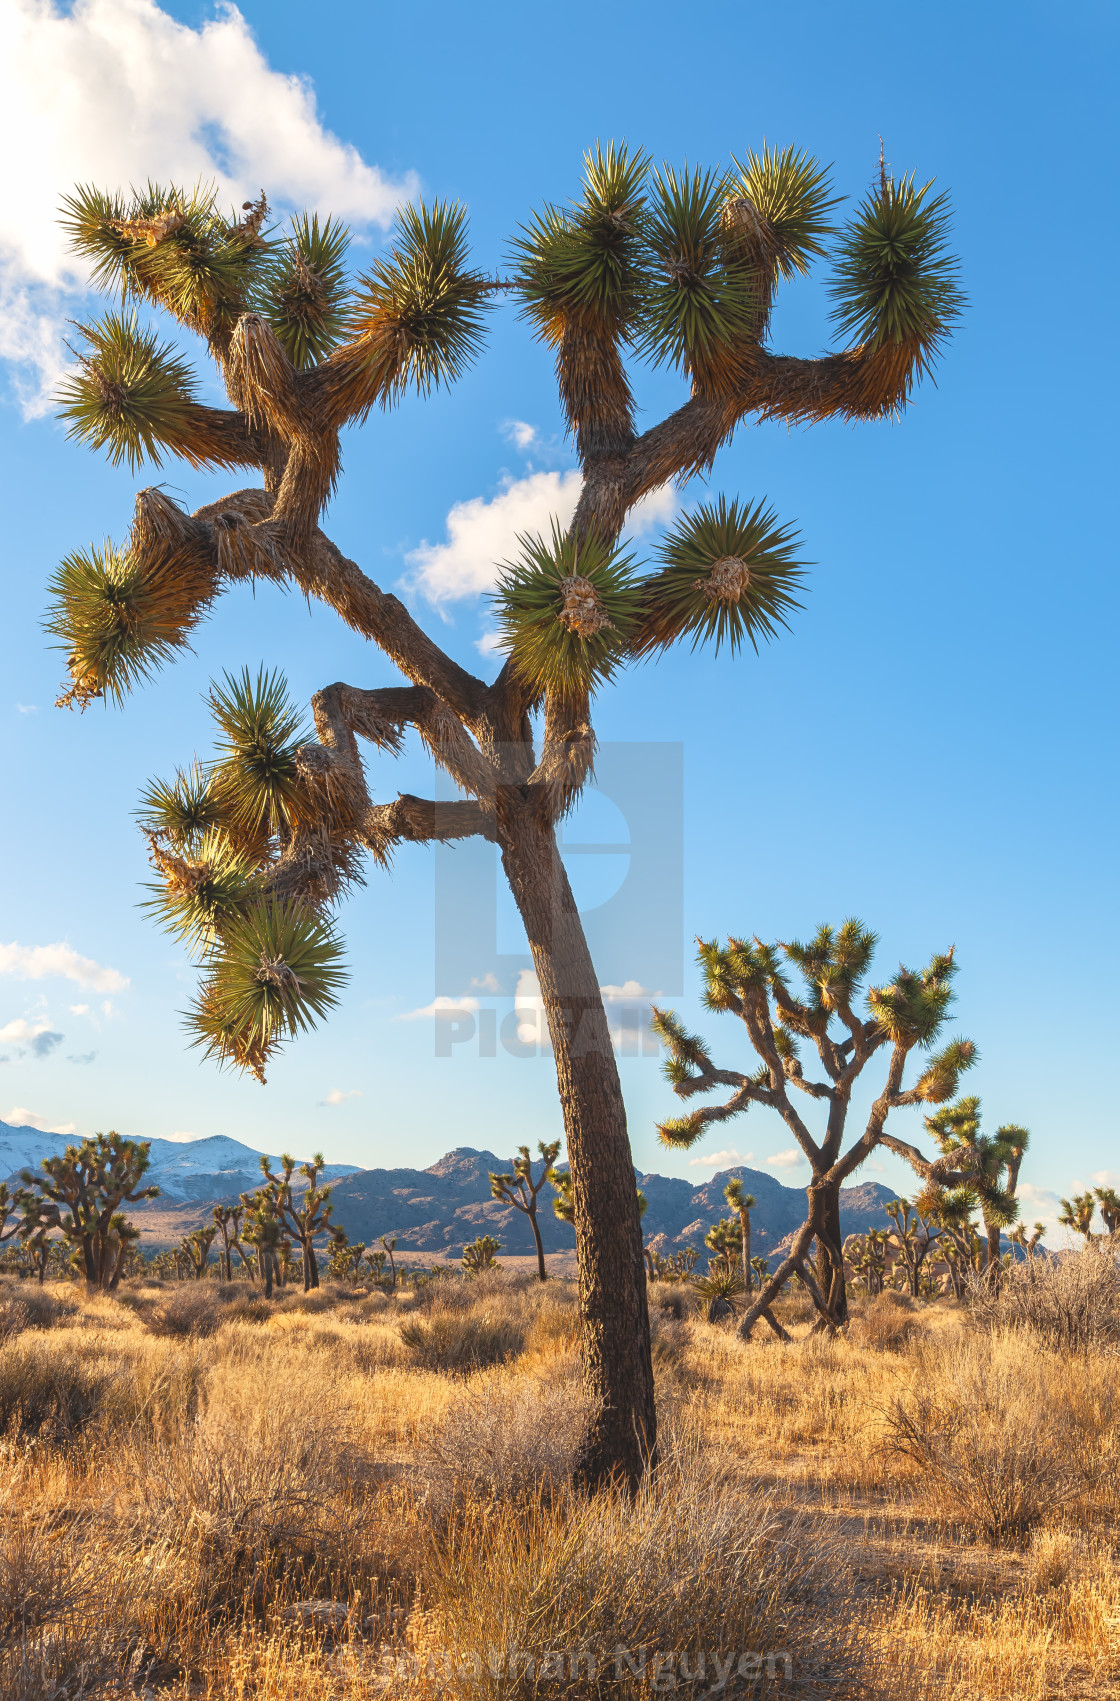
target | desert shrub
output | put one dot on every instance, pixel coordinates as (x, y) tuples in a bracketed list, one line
[(998, 1452), (14, 1316), (691, 1563), (507, 1440), (51, 1391), (453, 1340), (1071, 1304), (194, 1308), (885, 1325)]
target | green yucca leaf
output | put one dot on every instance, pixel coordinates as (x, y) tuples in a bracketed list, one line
[(586, 263), (421, 306), (729, 573), (200, 895), (183, 810), (172, 247), (255, 774), (680, 1132), (132, 394), (306, 290), (566, 610), (702, 302), (278, 970), (896, 281), (912, 1009), (118, 620), (791, 192)]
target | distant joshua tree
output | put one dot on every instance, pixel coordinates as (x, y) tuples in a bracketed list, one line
[(520, 1190), (78, 1194), (196, 1247), (914, 1237), (481, 1254), (995, 1161), (305, 1213), (1109, 1201), (677, 268), (1077, 1214), (749, 979)]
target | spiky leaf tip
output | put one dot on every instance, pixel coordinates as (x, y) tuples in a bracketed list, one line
[(789, 191), (419, 311), (131, 395), (701, 307), (896, 279), (730, 573), (306, 291), (200, 895), (278, 970), (566, 610), (118, 619), (182, 811), (255, 776)]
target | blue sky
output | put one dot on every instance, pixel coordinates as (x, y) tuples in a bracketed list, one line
[(931, 747)]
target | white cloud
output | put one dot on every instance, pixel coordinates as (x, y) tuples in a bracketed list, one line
[(1104, 1178), (440, 1006), (113, 92), (521, 435), (630, 992), (46, 962), (36, 1035), (337, 1096), (720, 1160), (180, 1137), (658, 507), (487, 982), (786, 1160), (79, 1009), (482, 533), (529, 1005), (26, 709), (20, 1117), (490, 644)]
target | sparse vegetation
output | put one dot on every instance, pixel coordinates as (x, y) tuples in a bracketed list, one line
[(352, 1491)]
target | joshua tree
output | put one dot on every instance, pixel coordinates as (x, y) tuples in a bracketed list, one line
[(520, 1190), (9, 1221), (196, 1246), (723, 1239), (1109, 1201), (481, 1254), (79, 1193), (721, 1291), (305, 1214), (995, 1161), (227, 1221), (914, 1236), (1077, 1214), (1026, 1243), (678, 268), (742, 1203), (390, 1246), (376, 1262), (263, 1232), (748, 978)]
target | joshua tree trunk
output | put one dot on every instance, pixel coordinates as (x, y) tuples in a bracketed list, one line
[(531, 1213), (994, 1267), (745, 1227), (617, 1366), (830, 1254)]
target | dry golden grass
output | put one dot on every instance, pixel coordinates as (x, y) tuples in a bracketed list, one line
[(349, 1495)]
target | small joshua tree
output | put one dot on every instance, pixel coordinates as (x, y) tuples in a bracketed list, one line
[(196, 1247), (9, 1220), (520, 1190), (914, 1237), (1109, 1201), (227, 1222), (264, 1233), (305, 1214), (1077, 1214), (1027, 1243), (994, 1162), (676, 268), (79, 1193), (481, 1254), (749, 979), (742, 1203), (390, 1246)]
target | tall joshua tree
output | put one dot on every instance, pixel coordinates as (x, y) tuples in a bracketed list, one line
[(305, 1214), (520, 1190), (749, 979), (995, 1163), (677, 268), (79, 1193)]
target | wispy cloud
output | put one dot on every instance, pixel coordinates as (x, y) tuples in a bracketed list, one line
[(438, 1007), (720, 1160), (116, 91), (36, 1036), (20, 1117), (337, 1096), (483, 531), (84, 1057), (786, 1160), (62, 962)]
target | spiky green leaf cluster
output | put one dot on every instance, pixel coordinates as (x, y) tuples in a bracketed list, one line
[(422, 305), (834, 962), (940, 1078), (184, 810), (117, 620), (198, 900), (790, 190), (730, 572), (895, 279), (687, 1051), (171, 247), (702, 300), (306, 292), (255, 775), (131, 395), (586, 264), (278, 969), (912, 1008), (533, 603)]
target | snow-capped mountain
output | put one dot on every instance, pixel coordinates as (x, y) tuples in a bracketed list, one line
[(181, 1169)]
